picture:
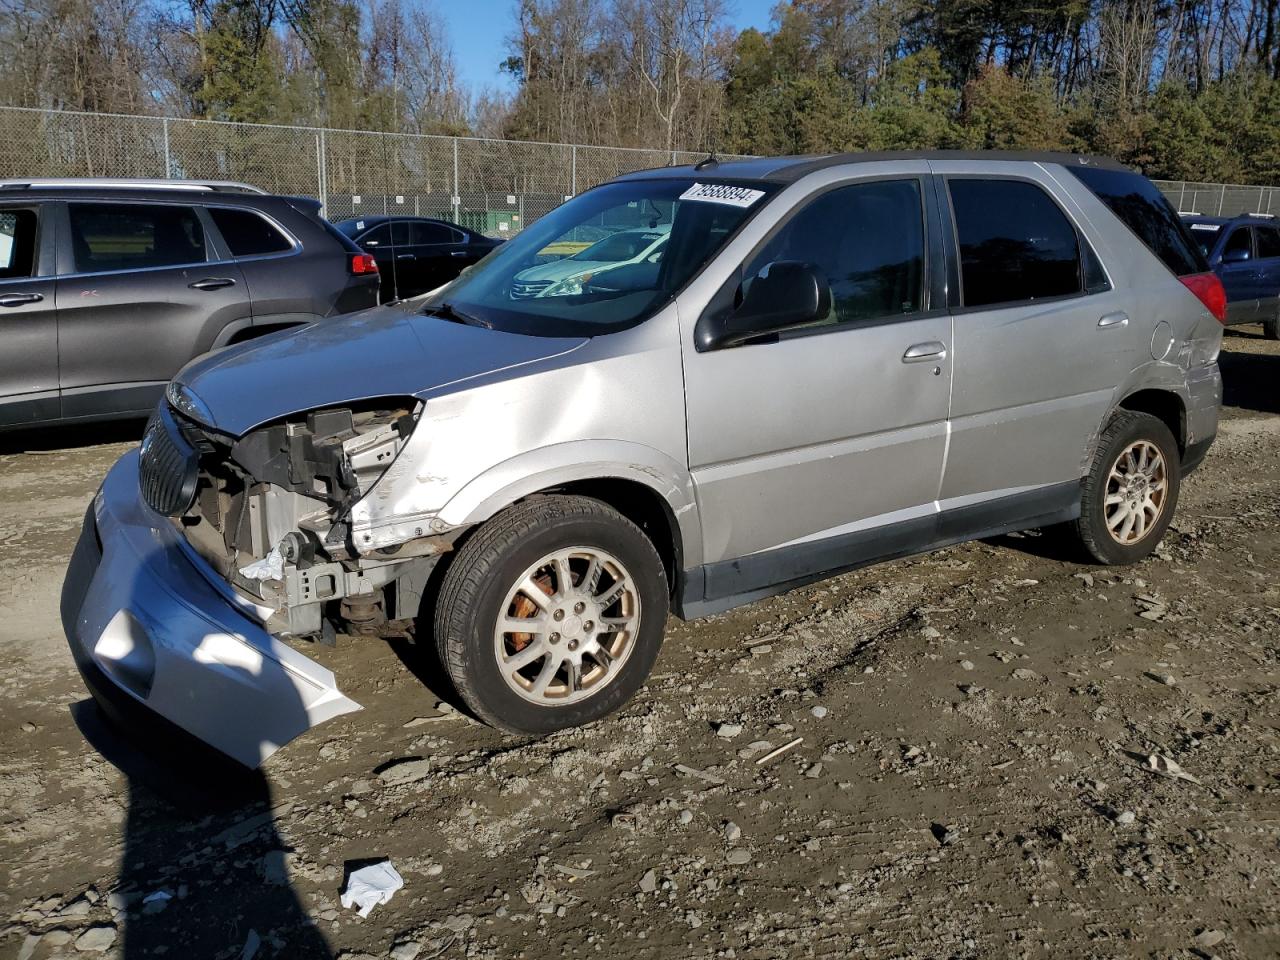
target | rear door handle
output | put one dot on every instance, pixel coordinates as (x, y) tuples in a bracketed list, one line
[(1117, 319), (457, 253), (406, 256), (18, 299), (212, 283), (925, 352)]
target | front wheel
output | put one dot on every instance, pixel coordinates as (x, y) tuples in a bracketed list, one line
[(1128, 498), (551, 615)]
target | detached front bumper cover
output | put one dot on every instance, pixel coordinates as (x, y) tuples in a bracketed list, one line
[(145, 617)]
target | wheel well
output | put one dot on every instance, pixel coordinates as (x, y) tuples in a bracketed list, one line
[(253, 333), (642, 506), (1163, 405)]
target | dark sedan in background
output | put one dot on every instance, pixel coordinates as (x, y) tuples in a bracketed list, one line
[(416, 254), (1245, 254)]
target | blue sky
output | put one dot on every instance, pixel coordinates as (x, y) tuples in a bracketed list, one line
[(479, 29)]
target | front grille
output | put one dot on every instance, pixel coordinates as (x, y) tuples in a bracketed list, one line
[(167, 466), (523, 289)]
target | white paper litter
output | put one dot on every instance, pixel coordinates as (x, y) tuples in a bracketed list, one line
[(370, 886), (270, 567)]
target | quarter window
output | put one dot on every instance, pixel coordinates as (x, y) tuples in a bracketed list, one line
[(867, 240), (247, 233), (17, 243), (1268, 242), (1015, 243), (122, 236)]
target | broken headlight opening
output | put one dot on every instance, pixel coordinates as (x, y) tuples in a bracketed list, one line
[(271, 514)]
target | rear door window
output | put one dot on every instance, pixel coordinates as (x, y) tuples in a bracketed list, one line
[(18, 229), (1145, 211), (134, 236), (1015, 243), (425, 232), (247, 233), (1268, 239)]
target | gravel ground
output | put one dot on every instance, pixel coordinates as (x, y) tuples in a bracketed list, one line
[(973, 774)]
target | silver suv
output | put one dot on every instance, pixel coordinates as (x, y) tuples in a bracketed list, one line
[(835, 361)]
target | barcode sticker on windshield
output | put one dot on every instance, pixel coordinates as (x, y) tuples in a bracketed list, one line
[(722, 193)]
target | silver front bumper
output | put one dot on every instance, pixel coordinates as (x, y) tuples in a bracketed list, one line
[(149, 620)]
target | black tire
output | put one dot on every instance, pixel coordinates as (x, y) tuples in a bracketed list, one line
[(1125, 429), (1271, 328), (487, 567)]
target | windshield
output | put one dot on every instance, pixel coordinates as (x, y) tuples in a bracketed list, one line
[(1205, 235), (612, 226)]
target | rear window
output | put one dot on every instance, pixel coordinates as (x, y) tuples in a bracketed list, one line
[(248, 234), (1144, 210)]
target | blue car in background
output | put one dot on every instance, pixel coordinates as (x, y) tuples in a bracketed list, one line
[(1245, 254)]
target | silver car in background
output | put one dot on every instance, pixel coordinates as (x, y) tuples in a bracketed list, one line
[(835, 361)]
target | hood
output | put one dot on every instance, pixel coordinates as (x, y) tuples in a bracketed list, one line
[(562, 269), (385, 352)]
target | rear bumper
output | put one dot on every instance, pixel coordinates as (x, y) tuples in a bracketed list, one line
[(1204, 399), (154, 635)]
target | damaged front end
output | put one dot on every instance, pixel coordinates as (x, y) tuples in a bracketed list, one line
[(270, 512), (203, 553)]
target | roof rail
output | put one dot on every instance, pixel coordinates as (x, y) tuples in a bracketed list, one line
[(128, 183)]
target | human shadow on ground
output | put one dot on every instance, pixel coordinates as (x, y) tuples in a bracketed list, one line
[(203, 868)]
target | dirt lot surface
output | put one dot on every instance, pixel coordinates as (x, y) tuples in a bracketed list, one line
[(973, 778)]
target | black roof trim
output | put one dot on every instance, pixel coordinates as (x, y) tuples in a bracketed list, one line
[(791, 169), (168, 195)]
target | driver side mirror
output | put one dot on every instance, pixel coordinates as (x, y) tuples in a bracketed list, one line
[(1235, 256), (784, 295)]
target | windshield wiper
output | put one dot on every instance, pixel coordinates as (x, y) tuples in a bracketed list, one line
[(447, 311)]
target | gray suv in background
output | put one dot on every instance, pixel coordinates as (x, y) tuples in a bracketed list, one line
[(107, 288), (835, 361)]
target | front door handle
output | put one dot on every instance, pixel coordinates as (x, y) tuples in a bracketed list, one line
[(930, 352), (405, 256), (212, 283), (18, 299), (1117, 319), (457, 253)]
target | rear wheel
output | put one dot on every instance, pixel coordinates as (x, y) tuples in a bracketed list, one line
[(551, 615), (1271, 328), (1129, 496)]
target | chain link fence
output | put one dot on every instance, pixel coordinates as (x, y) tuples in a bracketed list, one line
[(1220, 199), (493, 186)]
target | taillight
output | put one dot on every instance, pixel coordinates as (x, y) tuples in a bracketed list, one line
[(363, 263), (1208, 290)]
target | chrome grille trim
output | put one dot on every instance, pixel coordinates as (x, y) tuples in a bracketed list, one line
[(523, 289), (168, 466)]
